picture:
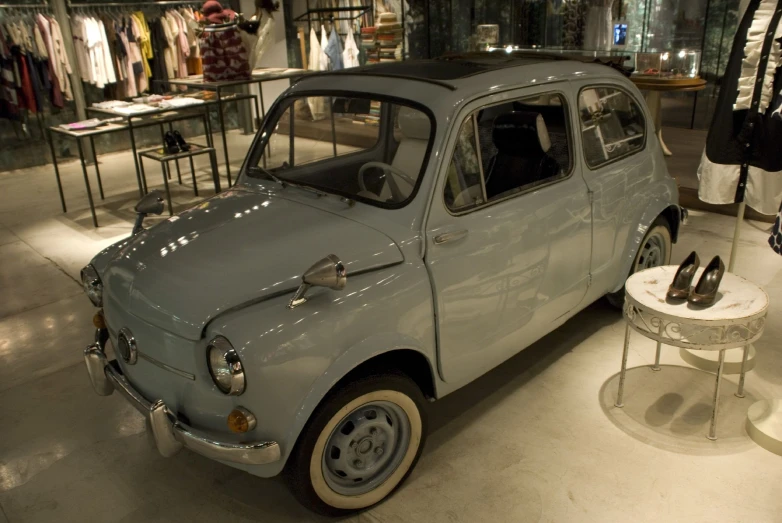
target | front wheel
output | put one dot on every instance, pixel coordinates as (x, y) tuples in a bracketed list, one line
[(359, 445), (655, 250)]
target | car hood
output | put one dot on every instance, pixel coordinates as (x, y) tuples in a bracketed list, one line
[(238, 247)]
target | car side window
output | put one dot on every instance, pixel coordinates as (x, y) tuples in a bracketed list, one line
[(524, 144), (612, 125), (463, 189), (521, 144)]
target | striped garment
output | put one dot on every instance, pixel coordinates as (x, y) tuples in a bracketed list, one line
[(224, 55)]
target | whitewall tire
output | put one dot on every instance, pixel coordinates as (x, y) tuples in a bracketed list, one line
[(359, 445)]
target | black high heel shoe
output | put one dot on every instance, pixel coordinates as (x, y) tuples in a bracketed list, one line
[(183, 145), (704, 293), (170, 143), (680, 287)]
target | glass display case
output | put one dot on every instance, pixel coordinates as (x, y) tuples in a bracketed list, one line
[(681, 63)]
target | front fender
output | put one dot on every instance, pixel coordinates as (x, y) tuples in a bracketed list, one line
[(293, 357)]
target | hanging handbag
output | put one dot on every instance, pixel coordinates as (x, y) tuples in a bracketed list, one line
[(223, 53)]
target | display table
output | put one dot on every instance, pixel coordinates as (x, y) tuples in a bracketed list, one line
[(160, 155), (735, 319), (654, 85), (258, 76), (130, 123)]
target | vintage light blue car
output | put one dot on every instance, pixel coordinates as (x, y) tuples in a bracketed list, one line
[(451, 212)]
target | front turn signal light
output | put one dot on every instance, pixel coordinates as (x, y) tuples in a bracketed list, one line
[(98, 320), (241, 420)]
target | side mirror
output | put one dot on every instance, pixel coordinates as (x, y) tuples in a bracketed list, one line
[(328, 272), (152, 203)]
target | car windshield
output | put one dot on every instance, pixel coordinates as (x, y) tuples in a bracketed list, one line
[(364, 148)]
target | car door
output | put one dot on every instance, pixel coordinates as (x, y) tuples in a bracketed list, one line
[(508, 257), (613, 132)]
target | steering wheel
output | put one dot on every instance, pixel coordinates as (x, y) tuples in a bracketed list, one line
[(387, 170)]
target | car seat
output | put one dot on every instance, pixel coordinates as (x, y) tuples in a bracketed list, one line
[(415, 128), (522, 159)]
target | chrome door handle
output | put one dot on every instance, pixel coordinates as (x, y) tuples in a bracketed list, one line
[(449, 237)]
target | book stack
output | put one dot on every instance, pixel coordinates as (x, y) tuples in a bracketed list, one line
[(389, 37), (369, 43)]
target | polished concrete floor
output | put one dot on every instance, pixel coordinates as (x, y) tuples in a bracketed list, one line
[(537, 439)]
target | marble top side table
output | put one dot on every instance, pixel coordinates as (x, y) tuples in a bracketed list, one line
[(735, 319)]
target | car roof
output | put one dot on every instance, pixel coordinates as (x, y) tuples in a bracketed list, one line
[(448, 70), (442, 83)]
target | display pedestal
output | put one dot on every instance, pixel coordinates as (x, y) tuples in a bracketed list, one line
[(709, 361), (764, 424), (735, 319)]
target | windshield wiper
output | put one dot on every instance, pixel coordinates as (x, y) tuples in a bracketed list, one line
[(255, 171)]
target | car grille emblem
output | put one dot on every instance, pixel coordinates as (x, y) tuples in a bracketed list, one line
[(126, 346)]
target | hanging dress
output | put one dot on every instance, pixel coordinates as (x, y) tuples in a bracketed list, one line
[(742, 161)]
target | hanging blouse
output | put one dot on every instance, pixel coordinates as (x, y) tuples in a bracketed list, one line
[(743, 160), (168, 47), (351, 52), (324, 43), (316, 104), (56, 90), (62, 65), (334, 50)]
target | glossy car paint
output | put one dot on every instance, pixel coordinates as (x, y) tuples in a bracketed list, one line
[(239, 266), (523, 263)]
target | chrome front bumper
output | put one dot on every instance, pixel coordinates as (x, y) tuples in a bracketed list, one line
[(170, 434)]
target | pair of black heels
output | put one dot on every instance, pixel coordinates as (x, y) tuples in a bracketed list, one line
[(705, 291), (174, 143)]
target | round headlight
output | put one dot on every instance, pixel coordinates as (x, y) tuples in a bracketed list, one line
[(92, 285), (225, 367)]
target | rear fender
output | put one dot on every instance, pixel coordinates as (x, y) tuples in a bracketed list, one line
[(655, 208)]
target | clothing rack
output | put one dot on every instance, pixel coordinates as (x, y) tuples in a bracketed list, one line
[(134, 4), (40, 5)]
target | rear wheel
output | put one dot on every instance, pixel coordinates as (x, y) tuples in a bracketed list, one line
[(655, 250), (359, 446)]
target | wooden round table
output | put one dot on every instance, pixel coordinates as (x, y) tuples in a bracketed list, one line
[(654, 85)]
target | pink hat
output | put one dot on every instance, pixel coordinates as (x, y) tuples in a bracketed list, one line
[(214, 12)]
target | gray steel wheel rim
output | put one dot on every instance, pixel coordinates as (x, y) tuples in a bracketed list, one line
[(653, 252), (352, 464)]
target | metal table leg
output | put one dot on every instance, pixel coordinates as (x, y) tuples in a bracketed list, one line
[(621, 392), (166, 175), (57, 172), (87, 182), (263, 115), (222, 132), (656, 365), (143, 174), (176, 161), (192, 172), (97, 169), (142, 188), (740, 391), (713, 428), (215, 173), (163, 139)]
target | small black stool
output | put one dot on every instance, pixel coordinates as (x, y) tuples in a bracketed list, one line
[(159, 154)]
